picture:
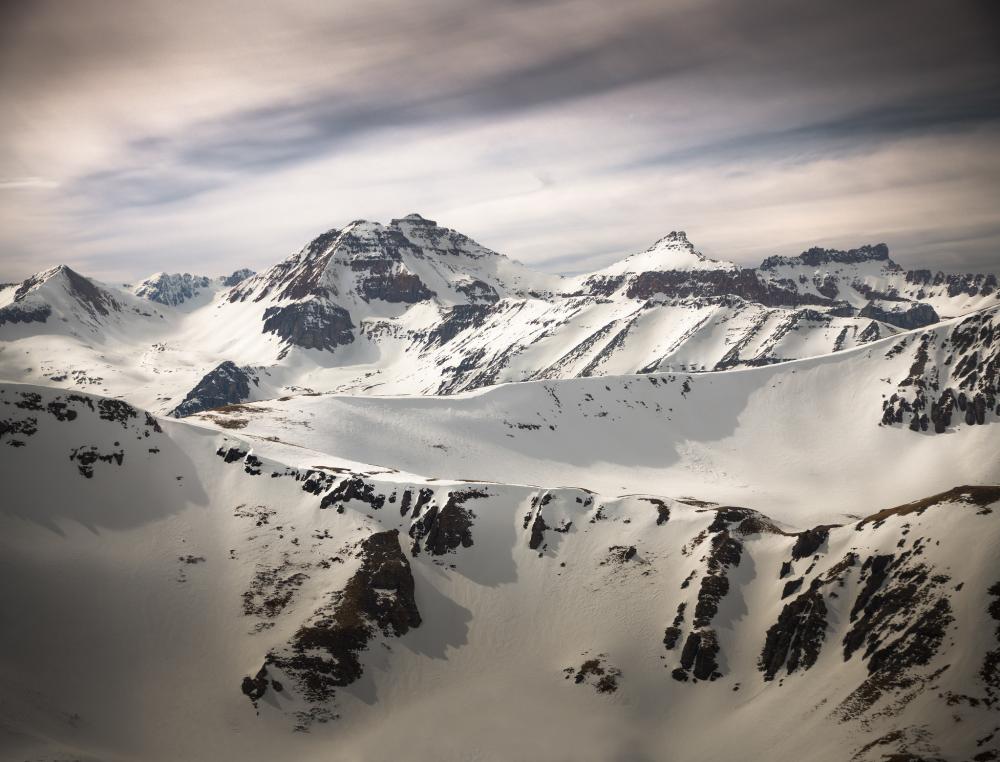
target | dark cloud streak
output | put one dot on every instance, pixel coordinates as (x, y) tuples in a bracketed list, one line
[(252, 89)]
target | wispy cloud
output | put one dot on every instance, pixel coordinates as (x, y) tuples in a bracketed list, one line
[(563, 132)]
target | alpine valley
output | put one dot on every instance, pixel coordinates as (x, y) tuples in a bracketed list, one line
[(401, 497)]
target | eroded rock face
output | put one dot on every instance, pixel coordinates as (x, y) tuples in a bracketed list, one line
[(796, 638), (440, 530), (809, 541), (701, 649), (908, 315), (324, 654), (477, 291), (964, 388), (311, 325), (386, 280), (970, 284), (226, 384), (816, 257)]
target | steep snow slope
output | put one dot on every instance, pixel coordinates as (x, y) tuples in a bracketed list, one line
[(800, 441), (179, 595), (413, 307)]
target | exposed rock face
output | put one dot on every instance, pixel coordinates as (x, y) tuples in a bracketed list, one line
[(901, 618), (459, 318), (21, 313), (440, 530), (964, 388), (744, 283), (478, 291), (353, 488), (910, 315), (817, 256), (699, 655), (324, 654), (310, 325), (809, 541), (970, 284), (538, 527), (385, 280), (796, 638), (238, 276), (227, 384), (172, 289)]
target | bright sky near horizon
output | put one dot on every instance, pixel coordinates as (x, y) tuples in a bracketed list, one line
[(138, 135)]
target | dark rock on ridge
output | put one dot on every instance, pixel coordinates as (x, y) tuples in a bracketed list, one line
[(226, 384), (310, 325), (324, 654), (916, 315), (444, 529), (236, 278)]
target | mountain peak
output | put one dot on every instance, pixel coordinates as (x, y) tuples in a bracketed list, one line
[(672, 252), (675, 237)]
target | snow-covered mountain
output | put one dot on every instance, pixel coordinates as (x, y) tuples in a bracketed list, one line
[(413, 307), (272, 598), (720, 512)]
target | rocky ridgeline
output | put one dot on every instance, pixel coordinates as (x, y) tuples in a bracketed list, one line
[(446, 314), (897, 611), (173, 289), (953, 380), (875, 593)]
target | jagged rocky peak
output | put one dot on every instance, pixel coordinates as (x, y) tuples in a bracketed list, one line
[(817, 257), (172, 289), (368, 259)]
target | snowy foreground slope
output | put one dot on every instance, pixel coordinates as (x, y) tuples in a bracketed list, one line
[(177, 591), (412, 307), (802, 441)]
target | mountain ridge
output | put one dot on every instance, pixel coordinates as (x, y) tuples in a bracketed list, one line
[(415, 307)]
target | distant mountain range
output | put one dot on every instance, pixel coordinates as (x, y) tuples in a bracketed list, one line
[(413, 307)]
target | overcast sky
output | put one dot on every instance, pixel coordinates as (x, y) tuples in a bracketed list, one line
[(142, 135)]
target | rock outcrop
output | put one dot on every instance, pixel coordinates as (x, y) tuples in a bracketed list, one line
[(226, 384)]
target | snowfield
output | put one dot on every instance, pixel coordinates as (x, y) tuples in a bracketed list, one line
[(399, 496)]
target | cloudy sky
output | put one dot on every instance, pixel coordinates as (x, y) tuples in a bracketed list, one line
[(140, 135)]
